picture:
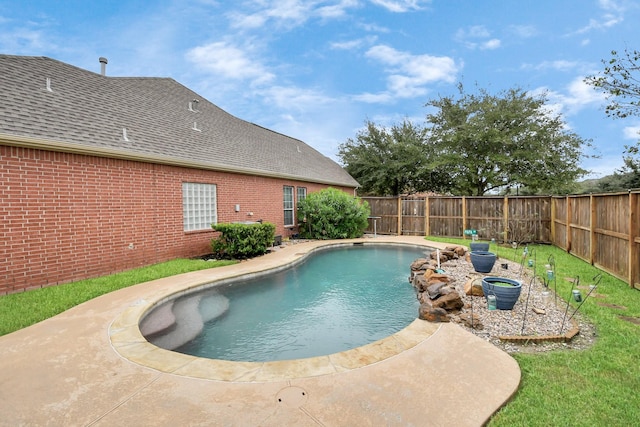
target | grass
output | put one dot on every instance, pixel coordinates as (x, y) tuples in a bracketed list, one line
[(20, 310), (593, 387)]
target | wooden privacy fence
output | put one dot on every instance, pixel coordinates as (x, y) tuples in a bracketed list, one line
[(602, 229)]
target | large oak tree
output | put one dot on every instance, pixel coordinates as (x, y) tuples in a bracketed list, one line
[(501, 142)]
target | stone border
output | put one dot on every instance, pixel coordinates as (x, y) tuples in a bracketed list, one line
[(535, 339)]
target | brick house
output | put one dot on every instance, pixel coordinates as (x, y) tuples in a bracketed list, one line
[(101, 174)]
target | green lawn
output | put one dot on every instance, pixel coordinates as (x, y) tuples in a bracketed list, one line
[(599, 386), (20, 310)]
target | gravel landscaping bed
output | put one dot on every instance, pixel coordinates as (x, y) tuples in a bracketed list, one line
[(497, 323)]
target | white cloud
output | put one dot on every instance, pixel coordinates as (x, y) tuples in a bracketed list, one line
[(230, 62), (490, 44), (289, 13), (477, 36), (400, 6), (374, 98), (613, 15), (559, 65), (373, 28), (408, 74), (523, 31), (294, 98), (577, 96), (22, 40), (631, 132), (353, 44), (336, 10)]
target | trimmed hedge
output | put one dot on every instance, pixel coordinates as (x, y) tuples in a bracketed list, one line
[(239, 241)]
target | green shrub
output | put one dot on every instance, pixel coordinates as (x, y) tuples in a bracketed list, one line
[(332, 214), (239, 241)]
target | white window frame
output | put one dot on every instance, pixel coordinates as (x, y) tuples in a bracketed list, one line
[(301, 193), (288, 205), (199, 206)]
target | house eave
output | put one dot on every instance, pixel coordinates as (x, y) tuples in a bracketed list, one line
[(66, 147)]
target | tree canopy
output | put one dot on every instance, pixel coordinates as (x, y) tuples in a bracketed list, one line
[(505, 141), (471, 145), (390, 161), (620, 80)]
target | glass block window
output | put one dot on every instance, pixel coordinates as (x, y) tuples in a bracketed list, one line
[(288, 206), (199, 206)]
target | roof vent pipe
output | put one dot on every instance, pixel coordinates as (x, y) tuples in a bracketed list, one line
[(103, 65)]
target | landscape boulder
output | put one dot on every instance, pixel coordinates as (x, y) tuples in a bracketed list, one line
[(449, 302), (433, 314), (473, 287)]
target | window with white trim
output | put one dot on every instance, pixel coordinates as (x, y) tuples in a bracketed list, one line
[(199, 206), (288, 206), (302, 194)]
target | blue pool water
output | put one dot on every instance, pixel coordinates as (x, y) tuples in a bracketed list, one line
[(338, 299)]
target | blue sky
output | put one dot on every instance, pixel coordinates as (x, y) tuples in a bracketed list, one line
[(318, 69)]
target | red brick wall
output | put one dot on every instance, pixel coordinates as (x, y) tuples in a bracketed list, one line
[(66, 217)]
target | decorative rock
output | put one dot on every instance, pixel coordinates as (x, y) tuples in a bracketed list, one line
[(447, 290), (434, 289), (449, 302), (433, 277), (420, 282), (449, 254), (473, 287), (432, 314), (471, 322), (443, 258), (419, 264), (458, 250)]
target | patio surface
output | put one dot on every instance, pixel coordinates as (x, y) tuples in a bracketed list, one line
[(89, 366)]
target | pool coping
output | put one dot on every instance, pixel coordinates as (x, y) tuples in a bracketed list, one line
[(127, 339)]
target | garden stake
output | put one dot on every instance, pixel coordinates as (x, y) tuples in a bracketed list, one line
[(524, 256), (576, 282), (552, 265), (526, 305), (591, 289)]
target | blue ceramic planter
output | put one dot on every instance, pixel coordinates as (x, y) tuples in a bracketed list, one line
[(482, 261), (479, 246), (507, 291)]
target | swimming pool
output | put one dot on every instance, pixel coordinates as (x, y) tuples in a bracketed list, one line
[(336, 299)]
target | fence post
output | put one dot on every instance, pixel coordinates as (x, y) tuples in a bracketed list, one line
[(399, 215), (553, 220), (568, 249), (464, 216), (592, 229), (634, 236), (505, 218), (427, 231)]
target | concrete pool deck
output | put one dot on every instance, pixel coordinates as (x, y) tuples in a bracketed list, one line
[(89, 366)]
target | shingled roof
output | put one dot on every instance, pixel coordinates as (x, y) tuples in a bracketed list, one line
[(49, 104)]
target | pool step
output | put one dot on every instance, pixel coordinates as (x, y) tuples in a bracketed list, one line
[(190, 315), (159, 320)]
